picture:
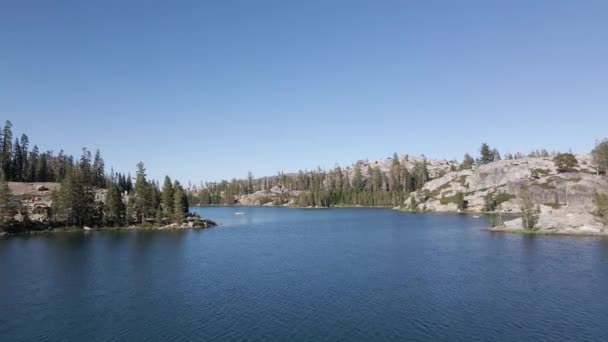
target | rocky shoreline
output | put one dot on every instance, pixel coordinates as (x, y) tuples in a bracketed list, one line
[(563, 232), (203, 224), (564, 199)]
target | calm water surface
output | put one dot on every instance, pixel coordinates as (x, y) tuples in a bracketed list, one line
[(295, 274)]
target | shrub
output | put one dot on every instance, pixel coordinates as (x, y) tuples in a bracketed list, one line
[(502, 197), (600, 156), (530, 211), (601, 205), (457, 199), (537, 173), (565, 162)]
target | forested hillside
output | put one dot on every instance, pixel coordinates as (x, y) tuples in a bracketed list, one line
[(385, 182)]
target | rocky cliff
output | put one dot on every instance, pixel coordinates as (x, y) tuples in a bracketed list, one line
[(277, 195), (565, 199)]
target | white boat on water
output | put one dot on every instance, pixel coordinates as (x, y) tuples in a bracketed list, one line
[(475, 216), (239, 213)]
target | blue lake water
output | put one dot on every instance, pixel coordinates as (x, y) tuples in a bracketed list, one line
[(305, 275)]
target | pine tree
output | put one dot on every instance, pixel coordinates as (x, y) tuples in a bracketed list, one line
[(141, 193), (530, 210), (115, 207), (461, 204), (420, 175), (486, 154), (85, 166), (154, 199), (357, 178), (131, 214), (601, 207), (6, 207), (42, 172), (378, 179), (159, 217), (99, 177), (404, 178), (467, 162), (6, 150), (496, 155), (129, 183), (167, 198), (600, 157), (75, 200), (178, 204), (249, 182), (394, 179), (18, 160), (25, 145)]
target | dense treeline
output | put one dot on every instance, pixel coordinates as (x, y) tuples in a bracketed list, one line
[(79, 203), (363, 184), (20, 164), (87, 196)]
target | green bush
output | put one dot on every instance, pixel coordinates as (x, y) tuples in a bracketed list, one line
[(601, 205), (565, 162), (530, 211)]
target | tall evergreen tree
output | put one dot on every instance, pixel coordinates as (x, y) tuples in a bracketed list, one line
[(115, 212), (496, 155), (250, 182), (600, 157), (99, 177), (25, 145), (129, 183), (395, 174), (420, 175), (75, 200), (357, 178), (467, 162), (32, 163), (167, 198), (85, 166), (42, 171), (486, 154), (179, 209), (18, 161), (6, 149), (143, 197), (6, 206)]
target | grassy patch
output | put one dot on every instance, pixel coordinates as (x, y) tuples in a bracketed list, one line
[(435, 193), (545, 186), (265, 200), (591, 172), (449, 199), (503, 197), (554, 205), (537, 173)]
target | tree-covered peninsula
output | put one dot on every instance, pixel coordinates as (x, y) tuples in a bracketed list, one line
[(42, 190)]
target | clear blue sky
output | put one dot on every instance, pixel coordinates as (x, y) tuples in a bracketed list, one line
[(207, 90)]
